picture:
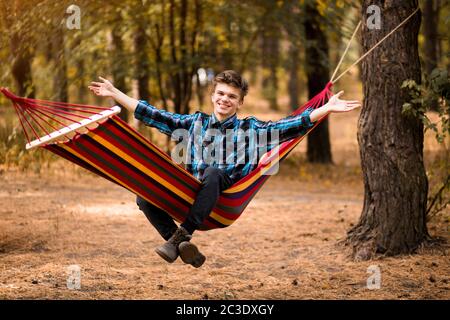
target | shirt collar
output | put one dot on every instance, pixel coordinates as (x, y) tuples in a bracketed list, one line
[(228, 122)]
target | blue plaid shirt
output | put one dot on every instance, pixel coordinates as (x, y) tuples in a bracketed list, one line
[(203, 135)]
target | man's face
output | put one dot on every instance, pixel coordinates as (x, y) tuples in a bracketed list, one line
[(226, 100)]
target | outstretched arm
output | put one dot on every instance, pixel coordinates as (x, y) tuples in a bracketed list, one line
[(106, 89), (163, 120), (334, 105)]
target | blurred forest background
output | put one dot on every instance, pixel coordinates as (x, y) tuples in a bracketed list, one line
[(167, 52), (387, 162)]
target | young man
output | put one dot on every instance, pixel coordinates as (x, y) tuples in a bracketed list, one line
[(229, 90)]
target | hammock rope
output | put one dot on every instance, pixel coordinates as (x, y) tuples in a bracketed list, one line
[(373, 48), (345, 52), (96, 139)]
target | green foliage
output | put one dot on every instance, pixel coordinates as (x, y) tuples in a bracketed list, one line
[(434, 92)]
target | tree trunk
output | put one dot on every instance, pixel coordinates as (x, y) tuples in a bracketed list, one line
[(294, 56), (175, 75), (391, 145), (318, 75), (142, 62), (21, 48), (21, 67), (118, 66), (270, 57), (60, 86), (430, 32)]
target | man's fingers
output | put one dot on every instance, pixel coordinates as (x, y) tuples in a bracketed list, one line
[(97, 83), (103, 79), (94, 90)]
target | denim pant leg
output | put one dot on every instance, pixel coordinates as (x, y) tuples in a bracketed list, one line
[(160, 219), (214, 182)]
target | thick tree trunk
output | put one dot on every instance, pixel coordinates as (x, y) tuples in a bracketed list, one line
[(391, 145), (318, 73)]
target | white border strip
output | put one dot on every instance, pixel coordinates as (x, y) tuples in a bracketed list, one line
[(83, 123)]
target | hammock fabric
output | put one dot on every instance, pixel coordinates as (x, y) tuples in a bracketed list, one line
[(117, 152)]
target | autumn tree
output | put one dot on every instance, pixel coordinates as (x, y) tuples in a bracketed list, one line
[(393, 219)]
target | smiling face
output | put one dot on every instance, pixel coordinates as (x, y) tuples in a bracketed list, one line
[(226, 100)]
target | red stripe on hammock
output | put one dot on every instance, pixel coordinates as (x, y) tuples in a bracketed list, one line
[(158, 194), (166, 175)]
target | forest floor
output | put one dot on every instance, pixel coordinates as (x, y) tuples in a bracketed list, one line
[(285, 245)]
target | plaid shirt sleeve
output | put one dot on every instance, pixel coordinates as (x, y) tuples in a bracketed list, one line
[(163, 120), (288, 128)]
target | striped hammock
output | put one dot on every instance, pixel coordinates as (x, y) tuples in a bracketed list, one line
[(96, 139)]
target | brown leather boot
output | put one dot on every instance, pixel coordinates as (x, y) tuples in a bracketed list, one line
[(169, 250), (190, 254)]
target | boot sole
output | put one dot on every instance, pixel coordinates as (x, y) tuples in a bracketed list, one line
[(190, 254), (164, 256)]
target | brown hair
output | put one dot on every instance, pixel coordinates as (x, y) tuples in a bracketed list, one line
[(232, 78)]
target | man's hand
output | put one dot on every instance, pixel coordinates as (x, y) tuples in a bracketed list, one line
[(334, 105), (337, 105), (106, 89), (103, 89)]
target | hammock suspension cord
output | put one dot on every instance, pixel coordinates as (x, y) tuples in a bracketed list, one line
[(368, 51)]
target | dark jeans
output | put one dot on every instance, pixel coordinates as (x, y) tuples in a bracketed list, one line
[(213, 183)]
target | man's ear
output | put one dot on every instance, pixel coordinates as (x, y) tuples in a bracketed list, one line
[(241, 102)]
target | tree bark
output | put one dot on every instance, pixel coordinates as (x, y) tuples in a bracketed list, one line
[(21, 66), (294, 56), (318, 75), (60, 85), (22, 51), (270, 57), (175, 74), (142, 62), (430, 32), (118, 64), (391, 145)]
